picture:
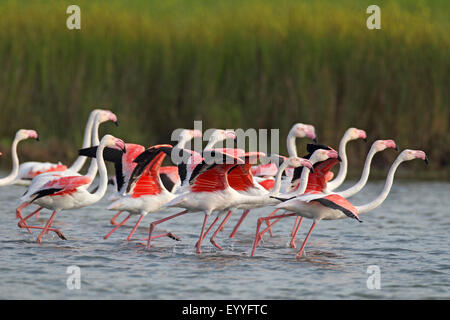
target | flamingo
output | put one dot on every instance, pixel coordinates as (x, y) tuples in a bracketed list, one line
[(70, 192), (241, 180), (377, 146), (333, 206), (208, 191), (28, 170), (298, 130), (21, 134), (101, 116)]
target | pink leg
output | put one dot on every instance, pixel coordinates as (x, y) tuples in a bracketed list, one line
[(267, 222), (117, 227), (213, 238), (135, 227), (306, 239), (57, 231), (47, 226), (258, 235), (153, 225), (203, 233), (236, 227), (113, 219), (23, 224), (19, 214), (295, 227), (295, 231)]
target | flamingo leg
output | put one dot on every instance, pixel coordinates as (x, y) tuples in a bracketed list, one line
[(57, 231), (213, 238), (267, 222), (47, 226), (258, 235), (295, 231), (241, 219), (113, 219), (203, 233), (153, 225), (19, 214), (117, 227), (135, 227), (23, 224), (306, 239)]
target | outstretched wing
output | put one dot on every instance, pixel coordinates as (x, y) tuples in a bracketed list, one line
[(144, 179)]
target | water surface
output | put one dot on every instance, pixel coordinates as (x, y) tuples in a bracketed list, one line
[(407, 237)]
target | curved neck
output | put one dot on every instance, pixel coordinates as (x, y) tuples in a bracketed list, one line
[(79, 162), (15, 165), (303, 181), (364, 177), (291, 146), (95, 142), (103, 183), (182, 143), (277, 186), (382, 196), (336, 182)]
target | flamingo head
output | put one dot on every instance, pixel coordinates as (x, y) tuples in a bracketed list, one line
[(300, 162), (323, 154), (23, 134), (106, 115), (301, 130), (409, 154), (221, 135), (381, 145), (113, 142), (354, 134)]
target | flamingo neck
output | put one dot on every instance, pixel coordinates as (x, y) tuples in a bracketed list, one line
[(291, 146), (277, 186), (79, 162), (364, 176), (15, 165), (382, 196), (336, 182), (92, 171), (103, 177)]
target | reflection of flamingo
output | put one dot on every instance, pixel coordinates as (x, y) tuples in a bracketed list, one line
[(28, 170), (22, 134), (41, 179), (332, 206), (69, 192)]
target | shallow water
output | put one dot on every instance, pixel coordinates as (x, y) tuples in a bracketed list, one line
[(407, 237)]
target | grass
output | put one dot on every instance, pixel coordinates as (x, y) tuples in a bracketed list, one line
[(160, 65)]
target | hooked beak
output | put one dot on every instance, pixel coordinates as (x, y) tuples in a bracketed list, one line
[(116, 123), (315, 140), (396, 148), (37, 138), (365, 139), (339, 158), (426, 160)]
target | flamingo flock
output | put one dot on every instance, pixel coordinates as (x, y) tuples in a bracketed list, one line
[(298, 187)]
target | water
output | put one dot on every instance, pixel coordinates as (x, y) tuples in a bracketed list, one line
[(407, 238)]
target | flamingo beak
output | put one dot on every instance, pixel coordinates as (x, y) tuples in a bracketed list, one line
[(396, 148), (339, 158), (426, 160), (116, 123), (315, 140)]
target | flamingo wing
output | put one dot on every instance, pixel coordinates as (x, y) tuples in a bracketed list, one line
[(60, 186), (145, 180), (335, 201)]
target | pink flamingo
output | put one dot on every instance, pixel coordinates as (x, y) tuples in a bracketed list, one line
[(21, 134), (332, 206), (38, 181), (70, 192)]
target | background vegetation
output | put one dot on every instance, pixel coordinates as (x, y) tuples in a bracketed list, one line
[(160, 65)]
